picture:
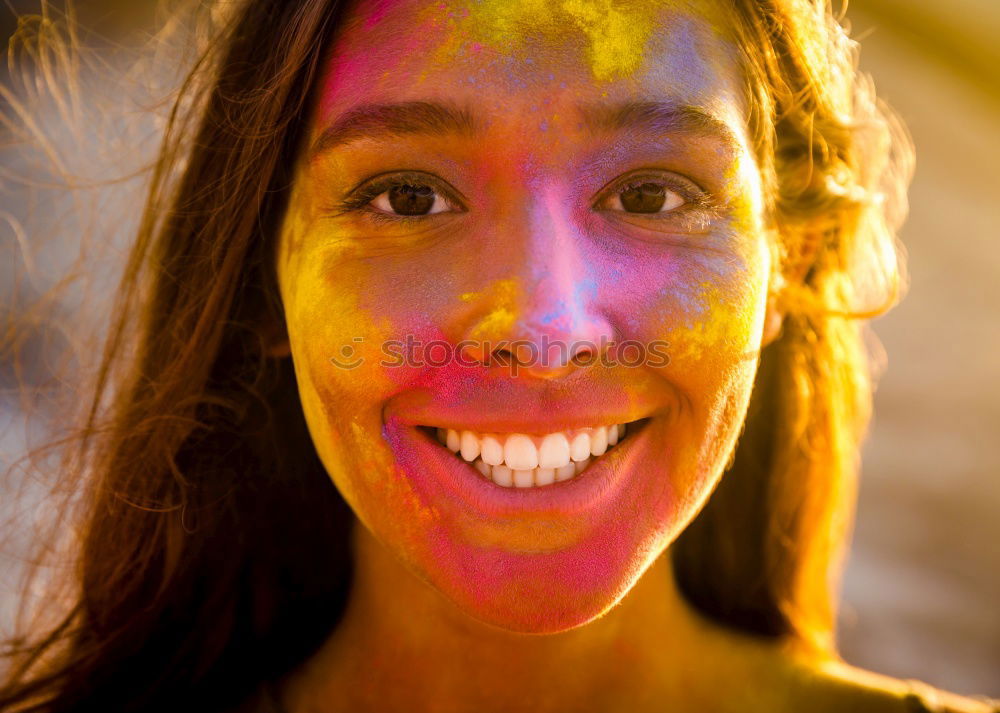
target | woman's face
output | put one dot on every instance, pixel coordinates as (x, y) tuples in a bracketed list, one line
[(490, 187)]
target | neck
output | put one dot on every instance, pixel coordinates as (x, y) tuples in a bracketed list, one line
[(402, 646)]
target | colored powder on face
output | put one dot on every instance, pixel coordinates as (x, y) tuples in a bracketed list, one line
[(377, 12), (616, 39), (504, 295), (614, 33), (371, 454), (721, 323)]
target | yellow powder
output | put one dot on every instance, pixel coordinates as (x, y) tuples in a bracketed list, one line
[(504, 294), (615, 39), (614, 31), (722, 324)]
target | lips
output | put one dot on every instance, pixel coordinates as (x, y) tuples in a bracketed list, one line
[(447, 483)]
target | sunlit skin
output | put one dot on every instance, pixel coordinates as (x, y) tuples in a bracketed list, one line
[(468, 603)]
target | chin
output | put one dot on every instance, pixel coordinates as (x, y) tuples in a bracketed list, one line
[(539, 592)]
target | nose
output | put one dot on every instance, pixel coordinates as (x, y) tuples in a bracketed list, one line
[(541, 316), (541, 356)]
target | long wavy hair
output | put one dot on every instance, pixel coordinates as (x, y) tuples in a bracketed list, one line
[(211, 548)]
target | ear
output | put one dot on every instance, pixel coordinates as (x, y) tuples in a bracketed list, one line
[(773, 319), (791, 267)]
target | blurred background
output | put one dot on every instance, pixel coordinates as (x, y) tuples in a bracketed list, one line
[(921, 596), (922, 588)]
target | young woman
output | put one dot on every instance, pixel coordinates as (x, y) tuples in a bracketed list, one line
[(489, 355)]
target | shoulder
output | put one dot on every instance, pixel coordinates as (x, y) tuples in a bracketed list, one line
[(837, 686), (924, 698)]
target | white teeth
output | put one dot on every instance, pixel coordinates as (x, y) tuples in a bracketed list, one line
[(554, 451), (492, 450), (519, 452), (579, 448), (598, 440), (524, 478), (502, 475), (523, 461), (566, 472), (470, 445)]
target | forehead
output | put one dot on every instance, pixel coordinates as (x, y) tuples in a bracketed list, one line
[(506, 57)]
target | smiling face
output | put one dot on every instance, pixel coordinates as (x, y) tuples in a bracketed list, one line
[(564, 180)]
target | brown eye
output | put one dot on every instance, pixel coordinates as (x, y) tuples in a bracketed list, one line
[(648, 198), (410, 199)]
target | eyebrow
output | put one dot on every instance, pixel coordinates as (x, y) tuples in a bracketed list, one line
[(369, 121), (374, 120), (658, 118)]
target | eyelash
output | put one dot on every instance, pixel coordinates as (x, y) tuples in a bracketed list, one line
[(694, 197), (359, 200)]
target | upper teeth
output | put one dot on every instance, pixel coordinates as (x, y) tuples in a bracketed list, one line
[(523, 460)]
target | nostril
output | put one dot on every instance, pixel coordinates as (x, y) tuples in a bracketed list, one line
[(502, 356), (544, 359), (583, 355)]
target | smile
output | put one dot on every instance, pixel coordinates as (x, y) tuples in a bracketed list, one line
[(524, 461)]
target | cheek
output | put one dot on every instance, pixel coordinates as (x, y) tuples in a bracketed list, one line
[(343, 410), (341, 313), (708, 309), (334, 343), (721, 324), (715, 345)]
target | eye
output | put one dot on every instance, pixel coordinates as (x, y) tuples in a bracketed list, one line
[(400, 197), (646, 197), (655, 196), (410, 199)]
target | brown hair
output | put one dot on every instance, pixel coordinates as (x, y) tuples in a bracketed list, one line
[(766, 552), (197, 574)]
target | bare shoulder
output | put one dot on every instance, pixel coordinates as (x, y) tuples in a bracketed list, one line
[(838, 686)]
